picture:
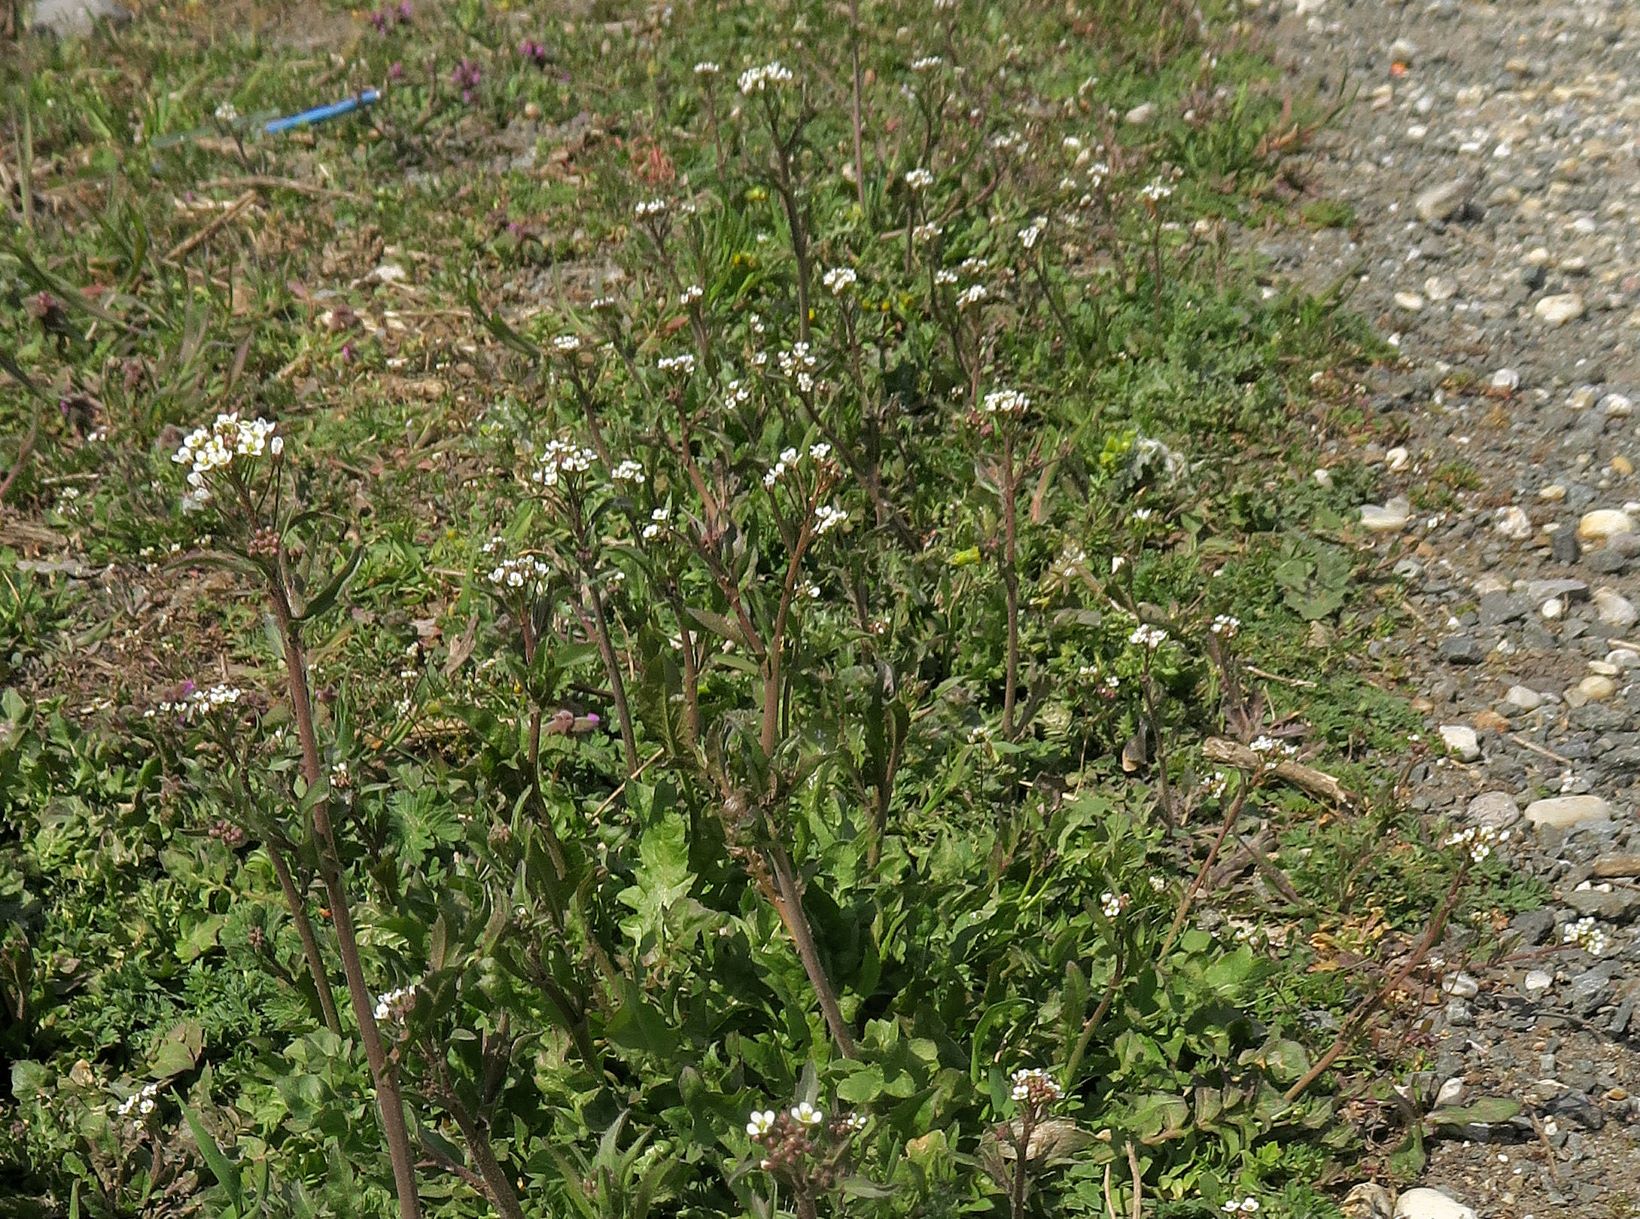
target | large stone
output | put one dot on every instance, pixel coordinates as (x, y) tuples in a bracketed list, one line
[(1391, 517), (1558, 310), (67, 18), (1426, 1203), (1462, 740), (1615, 609), (1604, 523), (1442, 201), (1563, 812), (1495, 810)]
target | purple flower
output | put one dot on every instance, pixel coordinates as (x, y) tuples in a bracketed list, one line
[(533, 51), (395, 71), (405, 12), (379, 19), (466, 77)]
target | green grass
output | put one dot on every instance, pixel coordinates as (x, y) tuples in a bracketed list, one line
[(602, 977)]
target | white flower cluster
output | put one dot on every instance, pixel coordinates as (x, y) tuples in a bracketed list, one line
[(628, 471), (922, 234), (1113, 903), (1147, 636), (789, 458), (1035, 1085), (760, 1123), (1272, 752), (1008, 141), (518, 572), (798, 365), (707, 68), (396, 1003), (650, 207), (214, 448), (839, 280), (567, 343), (1586, 936), (1032, 233), (1214, 786), (1006, 402), (972, 295), (1155, 192), (1478, 840), (926, 64), (140, 1102), (657, 524), (1247, 1206), (690, 295), (1226, 626), (761, 79), (197, 704), (919, 178), (561, 457), (827, 517), (683, 364)]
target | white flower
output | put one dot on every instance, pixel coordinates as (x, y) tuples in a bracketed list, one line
[(839, 280), (197, 704), (562, 457), (1008, 141), (855, 1121), (683, 364), (707, 68), (806, 1114), (972, 295), (657, 523), (1147, 636), (924, 233), (690, 295), (226, 113), (799, 366), (820, 451), (945, 276), (1006, 402), (1214, 785), (628, 471), (1247, 1206), (1271, 751), (1158, 884), (1226, 626), (518, 572), (762, 1121), (567, 343), (1032, 233), (207, 450), (926, 64), (1586, 936), (650, 207), (919, 178), (140, 1102), (1034, 1084), (396, 1004), (1155, 192), (1143, 514), (827, 517), (1478, 840), (761, 79), (1113, 903)]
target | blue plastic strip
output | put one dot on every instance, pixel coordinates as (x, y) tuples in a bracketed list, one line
[(320, 113)]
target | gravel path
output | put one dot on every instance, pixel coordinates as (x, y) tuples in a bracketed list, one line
[(1492, 159)]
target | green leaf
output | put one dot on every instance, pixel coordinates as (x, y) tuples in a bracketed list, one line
[(1482, 1111), (177, 1051), (327, 595), (222, 1168)]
